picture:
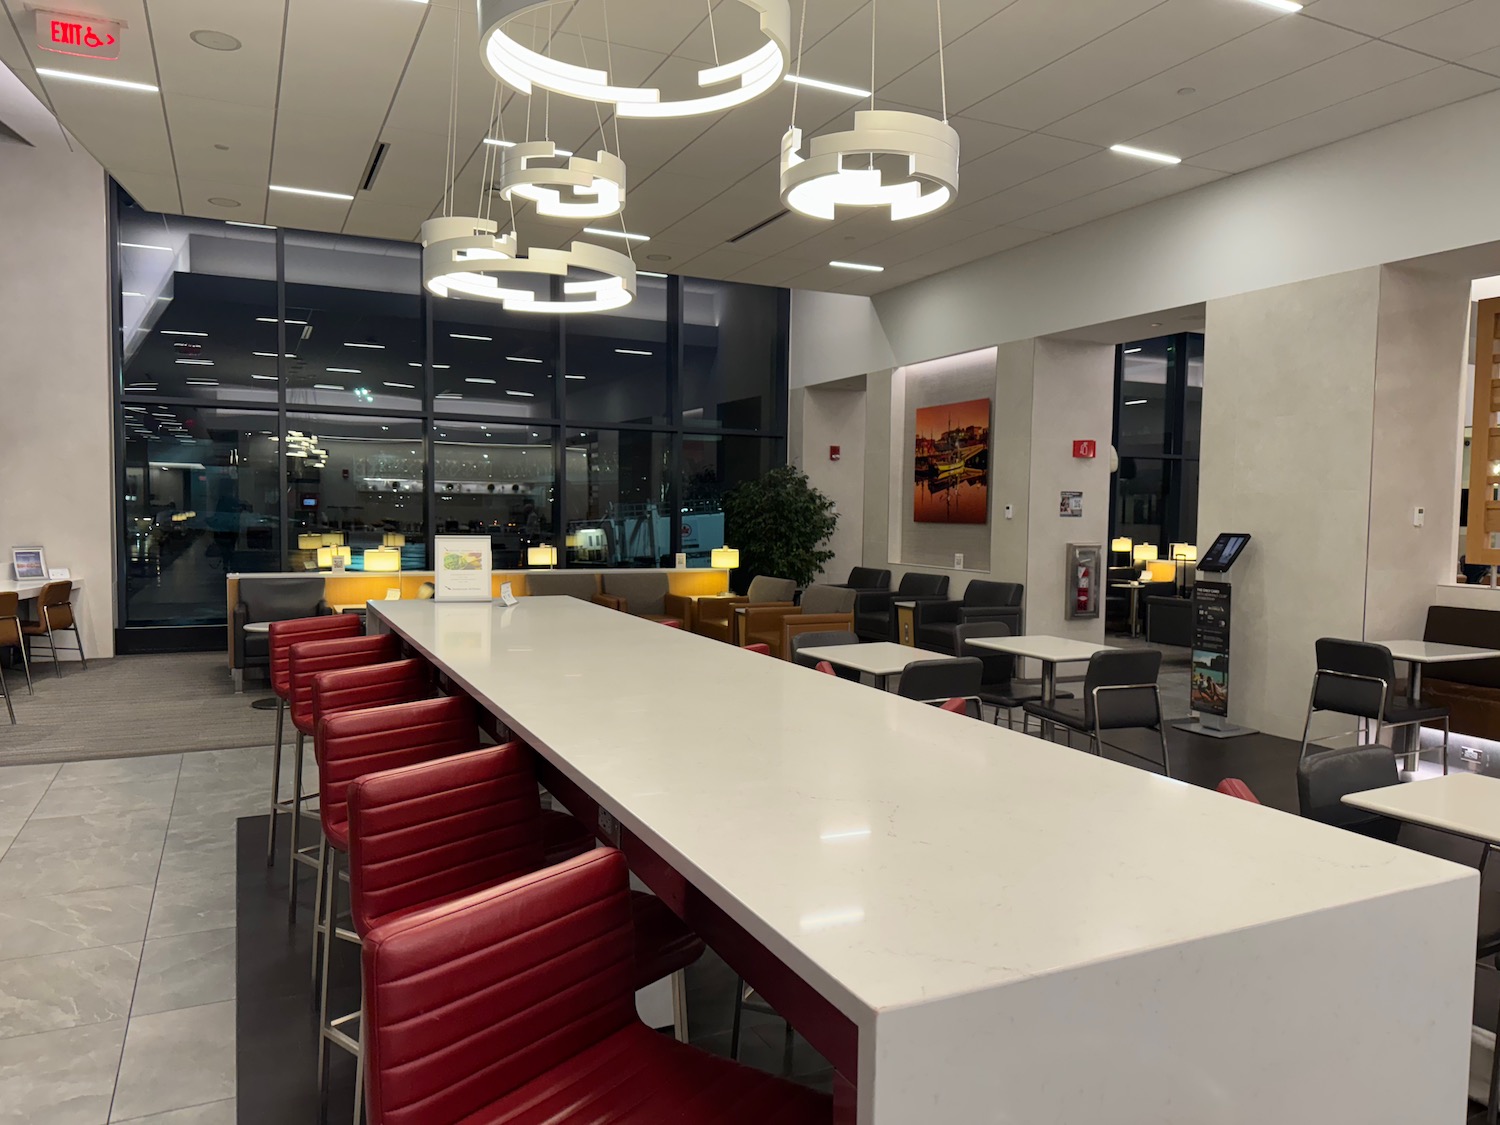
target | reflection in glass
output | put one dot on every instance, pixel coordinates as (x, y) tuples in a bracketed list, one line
[(197, 308), (711, 466), (494, 363), (617, 362), (359, 478), (200, 503), (619, 511), (730, 337), (498, 480), (1144, 431)]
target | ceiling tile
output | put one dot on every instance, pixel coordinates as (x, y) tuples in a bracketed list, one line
[(1031, 156), (197, 192), (373, 219), (197, 125), (1376, 17), (1457, 33), (1122, 197), (247, 76)]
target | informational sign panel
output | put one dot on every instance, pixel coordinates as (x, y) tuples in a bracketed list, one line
[(462, 573), (1210, 693), (70, 34)]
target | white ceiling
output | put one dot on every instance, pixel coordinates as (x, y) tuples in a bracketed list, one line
[(1038, 90)]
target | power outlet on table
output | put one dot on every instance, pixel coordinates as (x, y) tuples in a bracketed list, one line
[(958, 560), (1471, 754), (609, 827)]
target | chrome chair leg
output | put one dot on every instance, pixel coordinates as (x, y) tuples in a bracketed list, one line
[(52, 644), (78, 639), (275, 784), (296, 800), (679, 1005), (1446, 724), (734, 1027), (5, 691), (26, 664)]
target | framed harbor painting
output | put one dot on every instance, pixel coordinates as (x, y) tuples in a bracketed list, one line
[(951, 463)]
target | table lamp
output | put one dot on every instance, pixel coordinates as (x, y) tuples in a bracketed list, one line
[(1143, 553), (1184, 555), (725, 558), (335, 557), (1121, 546), (309, 542), (393, 539), (545, 555), (333, 538), (383, 560), (1162, 571)]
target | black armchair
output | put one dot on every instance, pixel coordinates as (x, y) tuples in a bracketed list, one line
[(866, 578), (936, 623), (1169, 621), (270, 599), (874, 616)]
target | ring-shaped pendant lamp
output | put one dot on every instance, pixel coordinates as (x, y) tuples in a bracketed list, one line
[(821, 182), (461, 257), (523, 68), (602, 178)]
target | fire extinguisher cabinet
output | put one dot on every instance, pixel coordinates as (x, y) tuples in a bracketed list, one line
[(1085, 575)]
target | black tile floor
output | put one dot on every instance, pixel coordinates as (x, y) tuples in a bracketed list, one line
[(277, 1022)]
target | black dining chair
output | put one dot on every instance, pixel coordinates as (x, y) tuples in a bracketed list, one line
[(937, 681), (998, 687), (1358, 679), (1119, 693), (823, 639), (1325, 778)]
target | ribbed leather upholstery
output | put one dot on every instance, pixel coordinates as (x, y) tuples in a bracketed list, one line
[(284, 634), (563, 837), (307, 659), (442, 829), (763, 650), (514, 1006), (375, 685), (354, 743)]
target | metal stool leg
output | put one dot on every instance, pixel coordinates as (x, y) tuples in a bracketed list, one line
[(679, 1006), (52, 644), (739, 1008), (5, 691), (321, 922), (78, 639), (275, 785), (26, 664), (291, 865), (323, 1039)]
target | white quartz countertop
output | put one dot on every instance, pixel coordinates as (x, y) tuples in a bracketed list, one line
[(31, 587), (888, 852), (1431, 652), (878, 658), (1465, 803), (1052, 650)]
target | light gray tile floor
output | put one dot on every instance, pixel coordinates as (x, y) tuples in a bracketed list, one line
[(117, 941)]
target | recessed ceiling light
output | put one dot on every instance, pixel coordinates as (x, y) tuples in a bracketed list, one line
[(631, 351), (819, 84), (272, 320), (268, 378), (1131, 351), (132, 294), (498, 143), (520, 394), (326, 387), (342, 370), (402, 386), (313, 192), (356, 344), (449, 394), (1279, 5), (201, 382), (181, 332), (97, 80), (625, 234), (467, 336), (441, 366), (648, 273), (197, 362), (1145, 154), (857, 266), (570, 377), (215, 40), (658, 257), (1135, 402), (223, 201), (522, 359), (491, 382), (146, 246)]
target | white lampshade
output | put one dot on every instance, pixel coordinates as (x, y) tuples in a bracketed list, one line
[(1184, 552), (725, 558), (1144, 552), (309, 542), (326, 555), (393, 539), (333, 538), (383, 559), (1121, 544), (545, 555)]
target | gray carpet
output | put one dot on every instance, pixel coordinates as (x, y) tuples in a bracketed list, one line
[(130, 707)]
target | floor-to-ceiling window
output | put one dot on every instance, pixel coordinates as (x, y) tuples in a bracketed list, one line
[(1158, 423), (277, 387)]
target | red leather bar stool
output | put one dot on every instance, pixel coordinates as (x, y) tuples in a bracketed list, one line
[(436, 831), (357, 689), (305, 660), (513, 1006), (764, 650), (281, 636)]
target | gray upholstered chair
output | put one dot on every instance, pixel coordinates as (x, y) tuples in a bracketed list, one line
[(716, 618), (1119, 693), (823, 608), (874, 616), (867, 578), (562, 584), (638, 593), (936, 622), (1326, 777), (270, 599)]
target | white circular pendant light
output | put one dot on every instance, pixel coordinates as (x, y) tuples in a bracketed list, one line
[(745, 78), (462, 257), (821, 182), (595, 188)]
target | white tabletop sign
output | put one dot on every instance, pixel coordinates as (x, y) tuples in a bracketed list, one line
[(462, 573)]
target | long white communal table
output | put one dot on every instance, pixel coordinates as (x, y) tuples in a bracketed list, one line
[(28, 588), (973, 925)]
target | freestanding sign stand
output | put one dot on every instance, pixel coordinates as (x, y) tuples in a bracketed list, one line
[(1212, 600)]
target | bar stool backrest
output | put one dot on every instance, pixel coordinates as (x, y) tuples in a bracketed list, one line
[(55, 604), (10, 624), (284, 634), (308, 658), (1129, 699), (954, 677), (1347, 675), (375, 685)]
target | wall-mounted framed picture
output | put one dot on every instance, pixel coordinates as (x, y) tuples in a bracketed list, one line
[(462, 573), (29, 563), (951, 463)]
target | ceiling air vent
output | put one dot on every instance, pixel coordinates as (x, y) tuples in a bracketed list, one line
[(762, 225), (372, 169)]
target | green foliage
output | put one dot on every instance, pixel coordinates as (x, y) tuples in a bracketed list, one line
[(780, 524)]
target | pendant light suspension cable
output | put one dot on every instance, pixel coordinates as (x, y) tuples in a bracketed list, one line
[(801, 37), (942, 63)]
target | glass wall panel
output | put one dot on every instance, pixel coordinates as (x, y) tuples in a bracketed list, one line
[(197, 308), (359, 479), (730, 339), (617, 361), (200, 502), (711, 466), (498, 480), (1192, 404), (354, 334), (619, 509), (489, 362), (1144, 429)]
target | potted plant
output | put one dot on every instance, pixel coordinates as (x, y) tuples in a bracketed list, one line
[(780, 524)]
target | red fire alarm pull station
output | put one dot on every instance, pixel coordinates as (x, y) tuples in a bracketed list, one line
[(833, 453), (1085, 449), (70, 34)]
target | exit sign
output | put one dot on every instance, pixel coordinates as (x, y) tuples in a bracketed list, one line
[(70, 34)]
